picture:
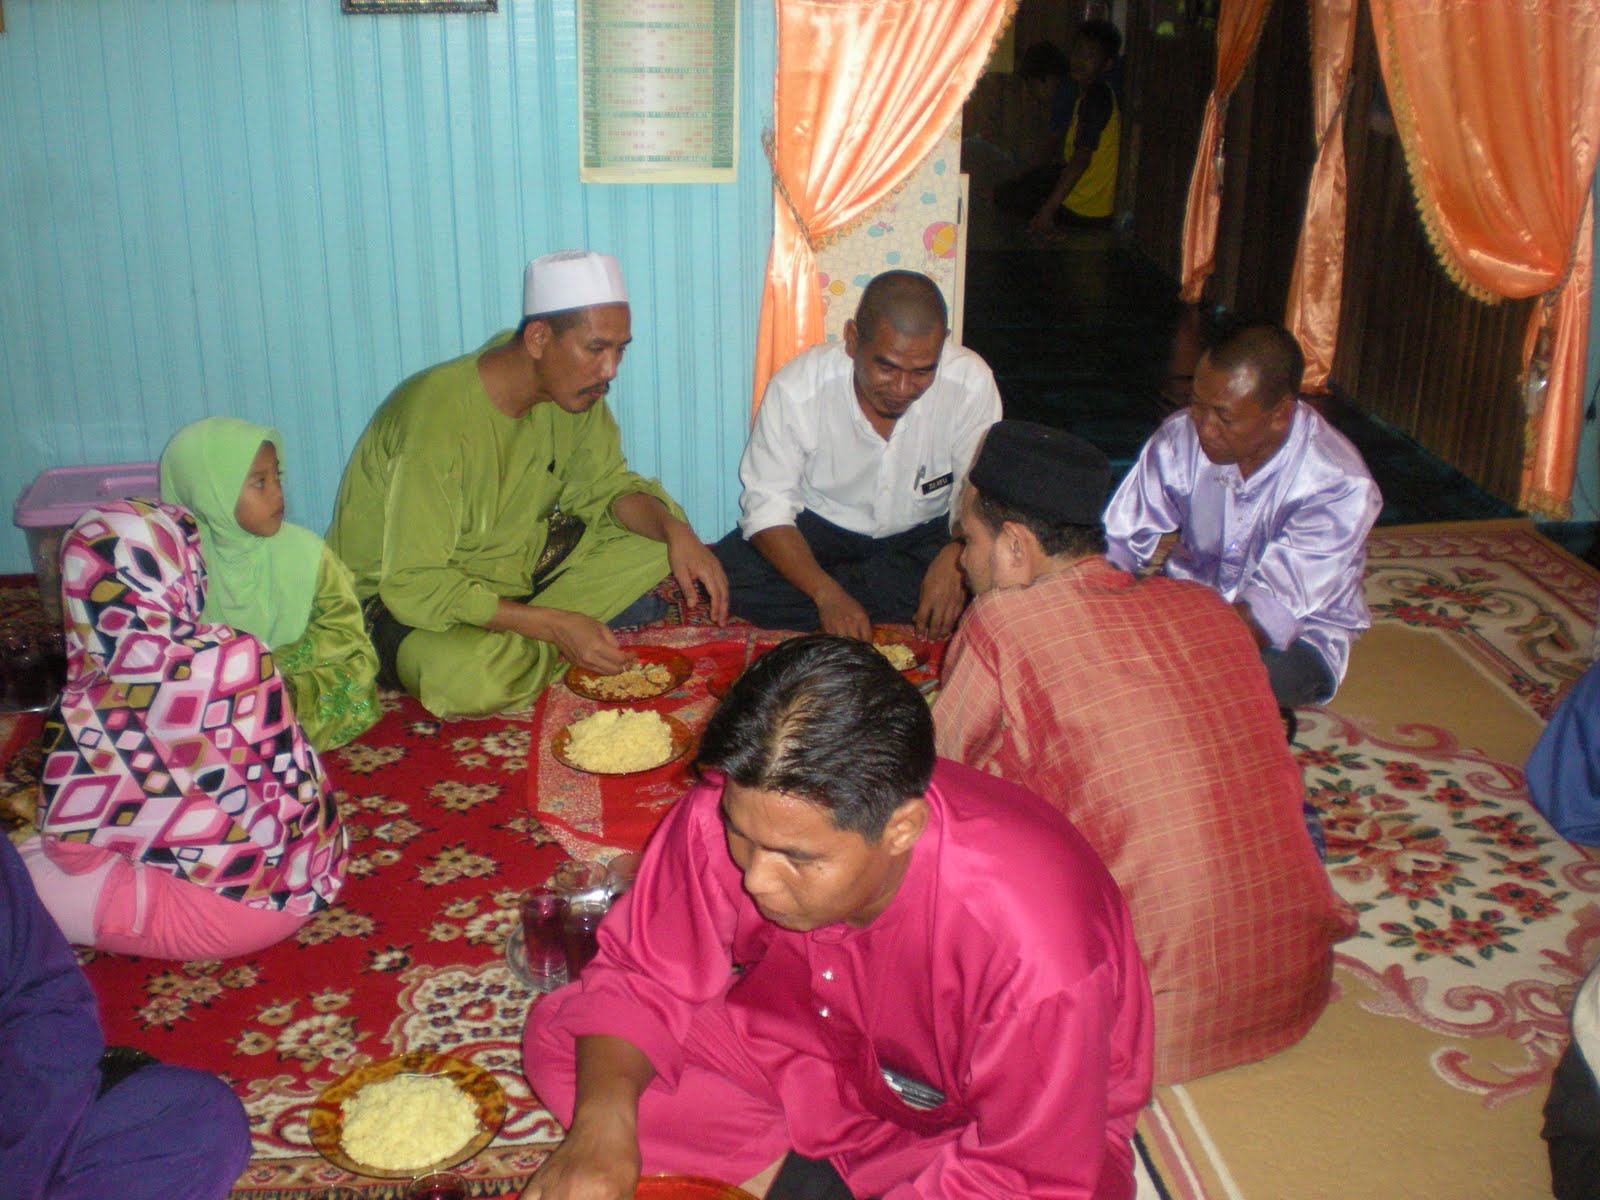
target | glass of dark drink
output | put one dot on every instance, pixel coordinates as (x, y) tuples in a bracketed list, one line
[(543, 942), (437, 1185), (578, 932)]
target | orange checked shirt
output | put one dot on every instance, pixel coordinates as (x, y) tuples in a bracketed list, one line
[(1141, 709)]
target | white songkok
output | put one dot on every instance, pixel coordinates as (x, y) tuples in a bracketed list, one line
[(571, 279)]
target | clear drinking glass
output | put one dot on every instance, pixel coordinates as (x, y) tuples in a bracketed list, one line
[(620, 873)]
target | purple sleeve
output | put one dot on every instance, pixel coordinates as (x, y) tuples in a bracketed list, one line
[(50, 1040), (666, 946), (1315, 561), (1151, 500)]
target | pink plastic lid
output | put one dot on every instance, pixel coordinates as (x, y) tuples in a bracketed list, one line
[(61, 495)]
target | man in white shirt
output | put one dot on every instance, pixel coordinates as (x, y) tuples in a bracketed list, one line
[(858, 450)]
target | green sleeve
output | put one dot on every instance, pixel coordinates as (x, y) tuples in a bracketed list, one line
[(596, 473), (423, 584), (331, 668)]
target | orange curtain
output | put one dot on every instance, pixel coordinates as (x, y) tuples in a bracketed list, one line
[(1315, 289), (864, 90), (1238, 27), (1498, 111)]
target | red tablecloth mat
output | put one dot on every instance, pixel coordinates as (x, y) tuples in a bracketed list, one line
[(596, 816)]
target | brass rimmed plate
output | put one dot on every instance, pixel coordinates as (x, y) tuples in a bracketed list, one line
[(325, 1123), (682, 742), (687, 1187), (592, 686)]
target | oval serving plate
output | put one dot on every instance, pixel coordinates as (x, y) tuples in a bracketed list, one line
[(592, 686), (325, 1122), (682, 741), (687, 1187)]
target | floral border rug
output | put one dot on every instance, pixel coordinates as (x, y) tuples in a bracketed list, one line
[(1477, 919)]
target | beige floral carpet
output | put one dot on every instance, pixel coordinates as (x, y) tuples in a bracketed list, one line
[(1426, 1075)]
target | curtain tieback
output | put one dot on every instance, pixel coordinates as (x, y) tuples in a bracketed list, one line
[(769, 144), (1337, 114)]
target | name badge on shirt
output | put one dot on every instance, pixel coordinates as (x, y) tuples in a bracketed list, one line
[(934, 484)]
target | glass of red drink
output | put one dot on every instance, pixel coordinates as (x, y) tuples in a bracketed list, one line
[(578, 931), (543, 943), (437, 1185)]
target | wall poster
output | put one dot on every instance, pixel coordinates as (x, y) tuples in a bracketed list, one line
[(658, 91)]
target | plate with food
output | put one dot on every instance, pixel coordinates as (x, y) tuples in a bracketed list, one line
[(405, 1116), (903, 655), (621, 741), (687, 1187), (656, 670)]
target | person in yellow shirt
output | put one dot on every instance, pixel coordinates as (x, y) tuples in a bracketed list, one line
[(1085, 191)]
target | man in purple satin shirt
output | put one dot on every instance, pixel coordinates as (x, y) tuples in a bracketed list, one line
[(1272, 507), (872, 972)]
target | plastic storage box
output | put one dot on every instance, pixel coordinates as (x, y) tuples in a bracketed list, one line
[(50, 504)]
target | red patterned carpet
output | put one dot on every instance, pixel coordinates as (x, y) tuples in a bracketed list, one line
[(442, 845)]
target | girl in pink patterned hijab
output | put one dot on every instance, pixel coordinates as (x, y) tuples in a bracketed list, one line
[(183, 814)]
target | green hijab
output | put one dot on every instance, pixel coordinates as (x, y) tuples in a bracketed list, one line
[(261, 585)]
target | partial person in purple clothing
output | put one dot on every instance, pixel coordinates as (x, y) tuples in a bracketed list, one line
[(893, 975), (1271, 504), (77, 1122)]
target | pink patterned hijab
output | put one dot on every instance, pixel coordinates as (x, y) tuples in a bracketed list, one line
[(174, 743)]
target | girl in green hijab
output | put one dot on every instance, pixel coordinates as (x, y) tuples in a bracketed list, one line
[(274, 580)]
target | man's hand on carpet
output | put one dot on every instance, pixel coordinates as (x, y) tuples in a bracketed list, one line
[(585, 1168), (840, 613), (943, 596), (599, 1158), (692, 562)]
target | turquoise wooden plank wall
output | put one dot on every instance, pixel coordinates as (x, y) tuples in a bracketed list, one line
[(270, 209)]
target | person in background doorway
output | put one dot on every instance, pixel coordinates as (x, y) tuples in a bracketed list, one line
[(1085, 189)]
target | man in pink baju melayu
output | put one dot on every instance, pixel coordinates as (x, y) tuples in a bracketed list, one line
[(892, 975)]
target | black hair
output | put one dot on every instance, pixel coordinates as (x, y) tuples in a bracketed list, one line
[(1055, 538), (1105, 34), (908, 300), (1274, 353), (559, 322), (1042, 60), (827, 720)]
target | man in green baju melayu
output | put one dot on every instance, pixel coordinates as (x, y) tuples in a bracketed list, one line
[(445, 509)]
